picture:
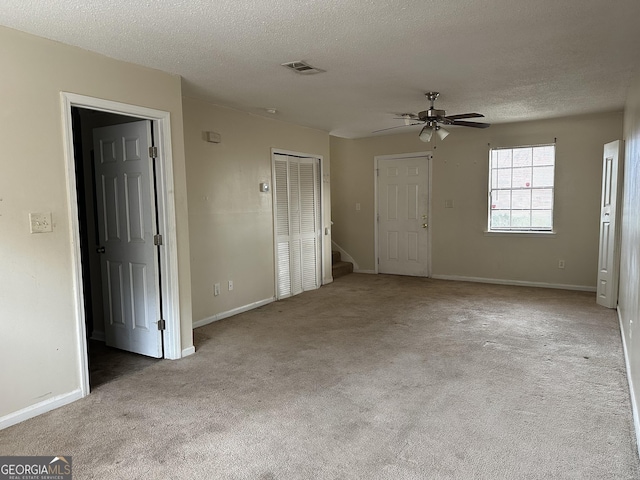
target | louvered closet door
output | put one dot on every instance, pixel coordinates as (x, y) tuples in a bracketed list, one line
[(298, 230)]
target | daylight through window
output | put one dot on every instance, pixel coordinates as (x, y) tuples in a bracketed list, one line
[(521, 181)]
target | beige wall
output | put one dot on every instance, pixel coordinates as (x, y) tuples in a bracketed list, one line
[(460, 164), (629, 304), (230, 220), (38, 343)]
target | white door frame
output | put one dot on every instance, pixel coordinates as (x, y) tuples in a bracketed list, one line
[(166, 216), (376, 162), (323, 253)]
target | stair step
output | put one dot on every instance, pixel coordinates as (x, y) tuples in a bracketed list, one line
[(335, 257), (341, 268)]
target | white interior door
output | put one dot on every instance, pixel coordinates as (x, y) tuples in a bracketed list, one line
[(297, 224), (608, 255), (403, 209), (126, 224)]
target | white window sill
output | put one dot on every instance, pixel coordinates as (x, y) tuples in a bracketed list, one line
[(511, 233)]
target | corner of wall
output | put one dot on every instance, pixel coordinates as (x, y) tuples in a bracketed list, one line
[(628, 305)]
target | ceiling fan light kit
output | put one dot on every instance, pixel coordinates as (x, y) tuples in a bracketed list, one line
[(441, 132), (433, 117), (426, 134)]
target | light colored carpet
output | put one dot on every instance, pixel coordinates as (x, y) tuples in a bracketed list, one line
[(371, 377)]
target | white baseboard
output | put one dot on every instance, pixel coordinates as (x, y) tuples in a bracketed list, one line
[(230, 313), (371, 272), (520, 283), (188, 351), (634, 404), (39, 408)]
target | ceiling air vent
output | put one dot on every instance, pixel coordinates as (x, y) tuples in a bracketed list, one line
[(302, 68)]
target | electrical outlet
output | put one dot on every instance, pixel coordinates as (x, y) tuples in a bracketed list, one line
[(216, 289), (40, 222), (560, 263), (230, 285)]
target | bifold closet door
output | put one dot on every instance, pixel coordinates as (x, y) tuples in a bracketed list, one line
[(298, 226)]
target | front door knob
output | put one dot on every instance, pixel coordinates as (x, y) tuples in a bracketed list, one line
[(100, 250)]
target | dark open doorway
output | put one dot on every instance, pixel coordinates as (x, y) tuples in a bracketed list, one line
[(105, 363)]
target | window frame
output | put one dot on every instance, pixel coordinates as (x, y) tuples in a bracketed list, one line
[(532, 231)]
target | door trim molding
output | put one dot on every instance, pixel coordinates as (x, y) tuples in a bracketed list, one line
[(376, 160), (161, 123)]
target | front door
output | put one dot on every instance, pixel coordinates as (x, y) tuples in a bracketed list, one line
[(126, 226), (403, 206), (609, 252)]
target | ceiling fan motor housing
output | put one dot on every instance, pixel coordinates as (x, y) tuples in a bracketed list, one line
[(431, 114)]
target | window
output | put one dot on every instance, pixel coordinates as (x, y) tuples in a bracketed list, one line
[(521, 183)]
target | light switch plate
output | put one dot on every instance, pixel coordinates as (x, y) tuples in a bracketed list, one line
[(40, 222), (213, 137)]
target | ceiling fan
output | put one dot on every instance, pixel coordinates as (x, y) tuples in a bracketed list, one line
[(432, 119)]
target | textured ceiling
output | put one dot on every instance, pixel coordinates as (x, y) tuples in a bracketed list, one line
[(509, 59)]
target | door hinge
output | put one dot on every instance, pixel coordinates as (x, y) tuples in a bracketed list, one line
[(157, 239), (378, 261), (153, 152), (377, 172), (162, 324)]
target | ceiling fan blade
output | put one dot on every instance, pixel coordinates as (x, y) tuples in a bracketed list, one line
[(464, 115), (407, 116), (462, 123), (397, 126)]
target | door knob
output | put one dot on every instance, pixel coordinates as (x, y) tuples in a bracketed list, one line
[(424, 225), (100, 250)]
